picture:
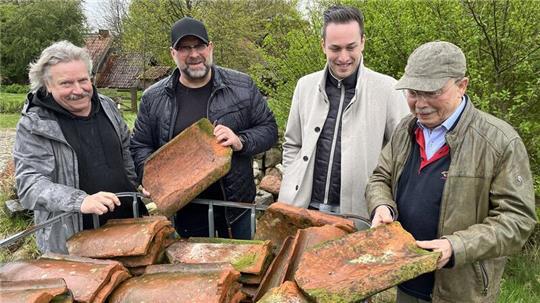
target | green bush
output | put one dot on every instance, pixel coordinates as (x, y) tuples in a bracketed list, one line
[(14, 88), (11, 103)]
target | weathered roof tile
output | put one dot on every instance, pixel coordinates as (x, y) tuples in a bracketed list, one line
[(358, 265), (34, 291), (90, 280), (281, 220), (184, 167), (184, 283), (118, 238), (246, 256)]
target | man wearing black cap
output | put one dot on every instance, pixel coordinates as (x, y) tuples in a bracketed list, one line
[(229, 99), (456, 178)]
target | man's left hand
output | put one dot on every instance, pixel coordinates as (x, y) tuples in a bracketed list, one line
[(226, 137), (442, 245)]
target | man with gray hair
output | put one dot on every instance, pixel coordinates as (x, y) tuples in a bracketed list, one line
[(71, 149), (340, 119), (456, 178)]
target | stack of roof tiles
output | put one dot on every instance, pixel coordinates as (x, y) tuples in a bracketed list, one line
[(249, 257), (89, 280), (204, 283), (136, 242), (35, 291)]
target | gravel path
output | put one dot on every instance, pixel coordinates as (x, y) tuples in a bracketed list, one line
[(7, 138)]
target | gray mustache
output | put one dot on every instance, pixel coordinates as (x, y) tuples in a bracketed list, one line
[(75, 97), (424, 112)]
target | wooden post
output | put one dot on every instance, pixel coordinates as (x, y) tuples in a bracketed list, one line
[(133, 91)]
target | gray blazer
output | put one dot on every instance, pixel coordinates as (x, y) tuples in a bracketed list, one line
[(46, 171)]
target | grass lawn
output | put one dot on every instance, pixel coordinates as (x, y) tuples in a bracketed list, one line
[(9, 120), (11, 105)]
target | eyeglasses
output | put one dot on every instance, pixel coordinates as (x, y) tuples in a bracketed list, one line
[(186, 49), (416, 94)]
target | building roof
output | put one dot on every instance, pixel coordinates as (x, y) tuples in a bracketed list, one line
[(121, 71), (98, 45), (155, 72)]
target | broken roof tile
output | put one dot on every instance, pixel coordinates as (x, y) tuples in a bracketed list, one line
[(358, 265), (287, 292), (85, 277), (246, 256), (184, 167), (307, 238), (275, 275), (117, 238), (281, 220)]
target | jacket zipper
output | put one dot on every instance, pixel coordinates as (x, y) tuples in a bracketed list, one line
[(334, 142), (485, 278)]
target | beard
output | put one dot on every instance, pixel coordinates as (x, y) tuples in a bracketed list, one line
[(195, 74)]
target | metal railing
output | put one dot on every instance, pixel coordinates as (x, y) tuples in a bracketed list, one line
[(360, 222)]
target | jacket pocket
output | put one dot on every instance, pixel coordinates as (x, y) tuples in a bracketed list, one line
[(482, 276)]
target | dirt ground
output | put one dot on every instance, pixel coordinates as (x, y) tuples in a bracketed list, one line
[(7, 138)]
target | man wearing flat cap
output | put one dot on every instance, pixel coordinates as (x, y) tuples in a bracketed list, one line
[(199, 89), (456, 178)]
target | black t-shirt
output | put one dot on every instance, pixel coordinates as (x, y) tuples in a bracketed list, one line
[(191, 105)]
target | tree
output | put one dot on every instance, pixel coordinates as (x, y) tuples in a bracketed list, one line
[(113, 13), (499, 39), (30, 26), (237, 28)]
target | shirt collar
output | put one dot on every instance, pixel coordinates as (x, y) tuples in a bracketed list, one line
[(450, 121)]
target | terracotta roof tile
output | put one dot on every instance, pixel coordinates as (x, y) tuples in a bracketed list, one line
[(183, 168), (90, 280), (246, 256), (118, 238), (361, 264), (173, 283), (281, 220), (45, 290)]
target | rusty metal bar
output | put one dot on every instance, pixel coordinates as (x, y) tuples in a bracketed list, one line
[(30, 230), (95, 218)]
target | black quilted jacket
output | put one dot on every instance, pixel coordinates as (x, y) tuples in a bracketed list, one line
[(234, 102)]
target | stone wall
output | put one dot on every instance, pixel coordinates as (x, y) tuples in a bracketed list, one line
[(267, 169)]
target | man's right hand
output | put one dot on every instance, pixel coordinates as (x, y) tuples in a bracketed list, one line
[(382, 216), (99, 203)]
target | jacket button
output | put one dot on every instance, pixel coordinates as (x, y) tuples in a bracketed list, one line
[(317, 129), (305, 158), (296, 188)]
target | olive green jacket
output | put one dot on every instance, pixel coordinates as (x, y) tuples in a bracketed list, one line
[(487, 208)]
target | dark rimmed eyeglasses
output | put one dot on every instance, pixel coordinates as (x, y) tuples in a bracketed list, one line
[(416, 94), (186, 49)]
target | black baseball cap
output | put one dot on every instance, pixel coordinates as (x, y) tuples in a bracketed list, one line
[(188, 26)]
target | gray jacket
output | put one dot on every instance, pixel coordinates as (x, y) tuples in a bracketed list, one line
[(46, 171)]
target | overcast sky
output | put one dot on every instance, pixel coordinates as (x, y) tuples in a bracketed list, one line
[(92, 11)]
